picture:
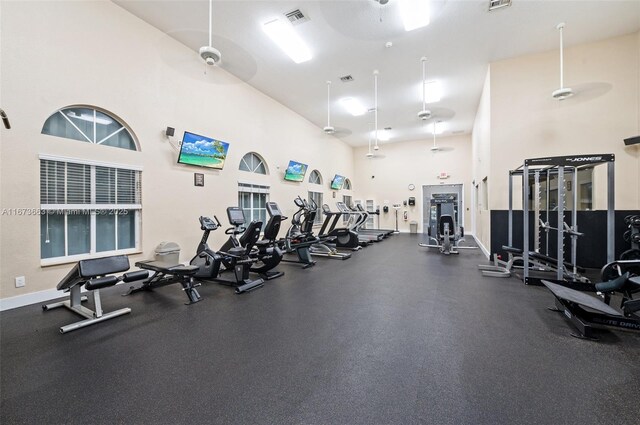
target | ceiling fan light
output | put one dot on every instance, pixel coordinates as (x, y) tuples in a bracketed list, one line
[(369, 154), (563, 93), (329, 130), (425, 114)]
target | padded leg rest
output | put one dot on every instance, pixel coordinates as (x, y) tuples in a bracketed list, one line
[(101, 282), (133, 276)]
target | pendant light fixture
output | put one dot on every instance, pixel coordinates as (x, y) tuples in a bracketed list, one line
[(563, 92), (329, 129), (375, 109), (424, 113)]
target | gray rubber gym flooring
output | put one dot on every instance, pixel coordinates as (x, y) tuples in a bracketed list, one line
[(395, 335)]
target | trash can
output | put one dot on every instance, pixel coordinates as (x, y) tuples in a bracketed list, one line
[(168, 252), (413, 227)]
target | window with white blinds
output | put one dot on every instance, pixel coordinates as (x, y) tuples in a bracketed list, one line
[(88, 208), (252, 198)]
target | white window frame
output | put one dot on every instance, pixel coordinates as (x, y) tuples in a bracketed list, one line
[(91, 208), (252, 188), (318, 178), (347, 182), (95, 111), (261, 161)]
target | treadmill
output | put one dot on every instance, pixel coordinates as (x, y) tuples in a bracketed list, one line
[(356, 220), (385, 232)]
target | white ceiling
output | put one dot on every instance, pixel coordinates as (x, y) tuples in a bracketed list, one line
[(348, 37)]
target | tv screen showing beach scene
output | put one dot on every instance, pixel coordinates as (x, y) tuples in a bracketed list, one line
[(337, 182), (295, 171), (202, 151)]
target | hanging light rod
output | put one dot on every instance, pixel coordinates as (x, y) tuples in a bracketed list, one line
[(563, 92), (375, 96), (329, 129), (424, 114)]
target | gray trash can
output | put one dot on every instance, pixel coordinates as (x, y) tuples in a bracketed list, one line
[(168, 252), (413, 227)]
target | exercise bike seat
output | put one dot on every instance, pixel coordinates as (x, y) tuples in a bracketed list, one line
[(236, 252)]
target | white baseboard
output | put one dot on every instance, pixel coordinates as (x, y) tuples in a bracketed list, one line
[(30, 298), (484, 250)]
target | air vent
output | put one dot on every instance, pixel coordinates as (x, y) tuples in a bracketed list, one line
[(498, 4), (346, 78), (387, 128), (296, 17)]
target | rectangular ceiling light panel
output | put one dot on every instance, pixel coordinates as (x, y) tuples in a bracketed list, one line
[(283, 34), (353, 106), (433, 91), (414, 13)]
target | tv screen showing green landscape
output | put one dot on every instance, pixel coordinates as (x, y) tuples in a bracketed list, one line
[(202, 151), (337, 182), (295, 171)]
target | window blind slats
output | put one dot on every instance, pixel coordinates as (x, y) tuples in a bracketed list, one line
[(70, 183)]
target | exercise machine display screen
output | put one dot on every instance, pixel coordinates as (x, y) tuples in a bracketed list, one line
[(236, 215)]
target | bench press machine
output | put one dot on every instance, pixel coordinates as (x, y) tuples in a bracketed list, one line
[(93, 274)]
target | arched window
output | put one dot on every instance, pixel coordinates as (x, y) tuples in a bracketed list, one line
[(347, 184), (90, 124), (253, 163), (315, 177)]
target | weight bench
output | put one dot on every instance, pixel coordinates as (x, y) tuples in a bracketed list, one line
[(94, 274), (501, 268), (167, 273), (587, 313)]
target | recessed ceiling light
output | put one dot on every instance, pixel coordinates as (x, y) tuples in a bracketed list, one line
[(287, 39), (415, 13), (353, 106)]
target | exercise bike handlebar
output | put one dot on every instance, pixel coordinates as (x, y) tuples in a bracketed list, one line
[(235, 230)]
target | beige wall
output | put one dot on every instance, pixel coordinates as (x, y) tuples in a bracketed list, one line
[(50, 60), (481, 159), (401, 164), (526, 122)]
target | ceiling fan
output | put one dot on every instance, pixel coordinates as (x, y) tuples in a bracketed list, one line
[(563, 92), (208, 53), (435, 148), (424, 113), (329, 129)]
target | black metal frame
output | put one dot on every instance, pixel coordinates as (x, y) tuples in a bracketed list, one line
[(166, 275)]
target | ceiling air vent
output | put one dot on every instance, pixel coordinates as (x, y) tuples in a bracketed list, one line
[(296, 17), (498, 4), (346, 79)]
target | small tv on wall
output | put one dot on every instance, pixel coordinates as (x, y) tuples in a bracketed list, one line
[(202, 151), (337, 182), (295, 171)]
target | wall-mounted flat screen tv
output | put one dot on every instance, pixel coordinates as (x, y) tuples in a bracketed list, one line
[(202, 151), (337, 182), (295, 171)]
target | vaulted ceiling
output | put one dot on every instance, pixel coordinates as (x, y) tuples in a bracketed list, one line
[(351, 38)]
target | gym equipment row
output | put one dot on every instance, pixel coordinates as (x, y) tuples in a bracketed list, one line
[(243, 254)]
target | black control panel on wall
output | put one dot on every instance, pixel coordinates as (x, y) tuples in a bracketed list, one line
[(412, 201), (385, 209)]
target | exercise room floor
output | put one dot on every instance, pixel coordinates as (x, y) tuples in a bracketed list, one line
[(395, 335)]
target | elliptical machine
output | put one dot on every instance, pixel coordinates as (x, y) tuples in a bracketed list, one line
[(299, 237), (236, 258)]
